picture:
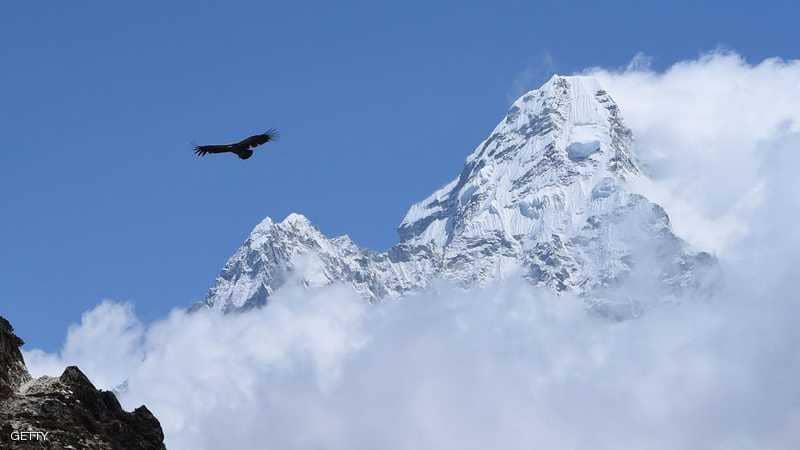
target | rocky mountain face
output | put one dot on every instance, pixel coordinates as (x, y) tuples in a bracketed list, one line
[(547, 194), (66, 412)]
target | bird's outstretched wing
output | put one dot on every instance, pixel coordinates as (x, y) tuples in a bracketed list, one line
[(203, 150), (258, 139), (241, 148)]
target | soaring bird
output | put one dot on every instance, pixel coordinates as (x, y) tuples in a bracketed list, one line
[(241, 148)]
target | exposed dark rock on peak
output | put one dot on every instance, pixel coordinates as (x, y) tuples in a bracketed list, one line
[(69, 409)]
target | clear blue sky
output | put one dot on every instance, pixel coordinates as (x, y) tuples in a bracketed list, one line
[(378, 104)]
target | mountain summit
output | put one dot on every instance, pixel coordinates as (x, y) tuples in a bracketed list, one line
[(546, 194)]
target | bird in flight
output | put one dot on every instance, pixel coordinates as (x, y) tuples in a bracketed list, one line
[(243, 148)]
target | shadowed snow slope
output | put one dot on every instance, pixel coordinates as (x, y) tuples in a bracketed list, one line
[(546, 194)]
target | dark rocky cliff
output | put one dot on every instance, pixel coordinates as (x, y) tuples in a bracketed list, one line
[(69, 409)]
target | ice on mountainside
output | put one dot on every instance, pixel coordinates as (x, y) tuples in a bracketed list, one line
[(547, 193)]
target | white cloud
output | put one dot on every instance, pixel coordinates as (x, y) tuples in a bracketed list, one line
[(107, 343), (511, 366), (701, 126)]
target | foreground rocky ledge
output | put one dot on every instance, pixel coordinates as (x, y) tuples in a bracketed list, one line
[(66, 412)]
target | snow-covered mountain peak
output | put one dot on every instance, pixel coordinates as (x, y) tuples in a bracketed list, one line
[(294, 224), (546, 194), (572, 113), (265, 225), (555, 143), (296, 220)]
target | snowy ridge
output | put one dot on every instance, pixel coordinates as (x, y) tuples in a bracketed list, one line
[(545, 194)]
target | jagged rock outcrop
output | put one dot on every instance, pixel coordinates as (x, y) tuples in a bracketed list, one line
[(548, 194), (12, 368), (65, 412)]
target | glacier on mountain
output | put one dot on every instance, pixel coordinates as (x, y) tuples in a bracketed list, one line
[(548, 194)]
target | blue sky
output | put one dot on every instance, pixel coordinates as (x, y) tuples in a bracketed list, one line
[(378, 104)]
